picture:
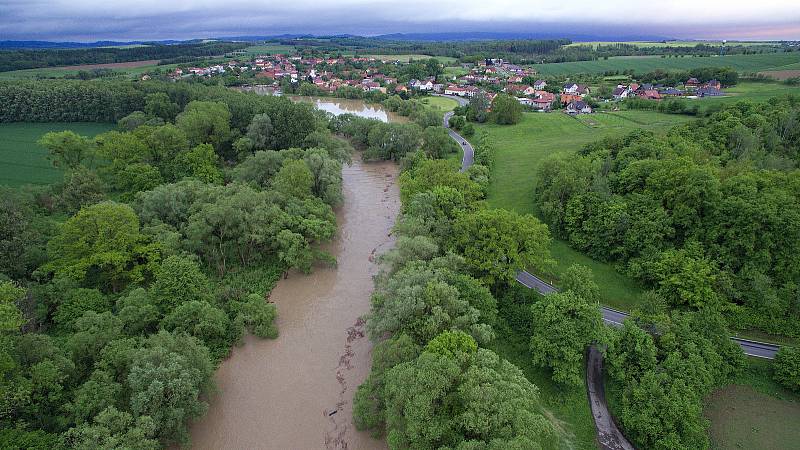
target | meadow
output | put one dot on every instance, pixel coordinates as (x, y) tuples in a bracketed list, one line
[(753, 411), (742, 63), (405, 58), (521, 148), (268, 49), (23, 161), (650, 44), (442, 104)]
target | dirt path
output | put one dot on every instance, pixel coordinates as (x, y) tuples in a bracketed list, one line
[(295, 392)]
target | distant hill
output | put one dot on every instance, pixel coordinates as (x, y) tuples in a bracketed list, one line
[(17, 45), (483, 35)]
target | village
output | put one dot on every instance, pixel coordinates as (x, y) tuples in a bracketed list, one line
[(489, 77)]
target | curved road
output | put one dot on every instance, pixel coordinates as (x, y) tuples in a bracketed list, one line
[(615, 318), (469, 152)]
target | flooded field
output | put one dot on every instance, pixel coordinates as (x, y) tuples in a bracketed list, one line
[(295, 392)]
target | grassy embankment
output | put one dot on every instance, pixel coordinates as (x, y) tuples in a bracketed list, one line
[(23, 161), (521, 148), (742, 63)]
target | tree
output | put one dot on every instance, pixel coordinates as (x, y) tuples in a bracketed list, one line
[(295, 179), (206, 123), (205, 322), (158, 104), (179, 280), (580, 280), (76, 302), (82, 187), (166, 381), (260, 132), (132, 121), (327, 176), (201, 162), (259, 169), (114, 429), (506, 110), (477, 110), (468, 400), (102, 247), (786, 368), (424, 299), (563, 326), (436, 142), (67, 149), (497, 243), (294, 252)]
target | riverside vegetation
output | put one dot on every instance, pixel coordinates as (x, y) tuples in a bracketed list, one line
[(125, 284)]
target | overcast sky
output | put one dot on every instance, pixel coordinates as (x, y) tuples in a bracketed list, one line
[(89, 20)]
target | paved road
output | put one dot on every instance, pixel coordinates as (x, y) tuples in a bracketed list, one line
[(609, 436), (615, 318), (469, 152)]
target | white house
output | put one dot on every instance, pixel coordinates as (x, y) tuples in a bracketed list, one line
[(578, 108), (539, 85)]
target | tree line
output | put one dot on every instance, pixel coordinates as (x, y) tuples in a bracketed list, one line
[(703, 215), (31, 59), (122, 287)]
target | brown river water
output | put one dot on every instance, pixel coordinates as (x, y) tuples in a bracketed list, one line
[(296, 391)]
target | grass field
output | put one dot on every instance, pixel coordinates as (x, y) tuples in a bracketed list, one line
[(752, 91), (742, 63), (520, 149), (405, 58), (130, 69), (22, 161), (442, 104), (648, 44), (754, 412), (270, 49)]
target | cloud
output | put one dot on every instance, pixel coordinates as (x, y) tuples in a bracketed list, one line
[(154, 19)]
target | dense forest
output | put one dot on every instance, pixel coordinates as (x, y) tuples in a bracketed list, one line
[(706, 215), (31, 59), (124, 285)]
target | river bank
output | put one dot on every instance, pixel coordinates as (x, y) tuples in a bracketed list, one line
[(296, 391)]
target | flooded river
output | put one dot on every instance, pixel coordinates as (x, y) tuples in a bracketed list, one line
[(295, 392)]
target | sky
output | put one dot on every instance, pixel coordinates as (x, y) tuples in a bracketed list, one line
[(90, 20)]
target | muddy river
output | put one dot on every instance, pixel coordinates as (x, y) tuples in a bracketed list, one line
[(295, 392)]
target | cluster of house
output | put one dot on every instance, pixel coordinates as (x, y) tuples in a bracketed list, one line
[(691, 88), (296, 68)]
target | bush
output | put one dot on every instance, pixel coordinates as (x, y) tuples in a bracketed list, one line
[(786, 368)]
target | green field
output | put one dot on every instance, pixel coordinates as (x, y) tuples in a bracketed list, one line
[(270, 49), (22, 161), (520, 148), (752, 91), (754, 412), (405, 58), (649, 44), (442, 104), (742, 63), (61, 72)]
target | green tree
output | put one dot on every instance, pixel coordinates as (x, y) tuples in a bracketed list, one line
[(497, 243), (436, 142), (114, 429), (158, 104), (82, 187), (102, 247), (563, 326), (295, 179), (786, 367), (206, 123), (201, 162), (179, 280), (471, 400), (166, 381), (580, 280), (260, 132), (506, 110), (67, 149)]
